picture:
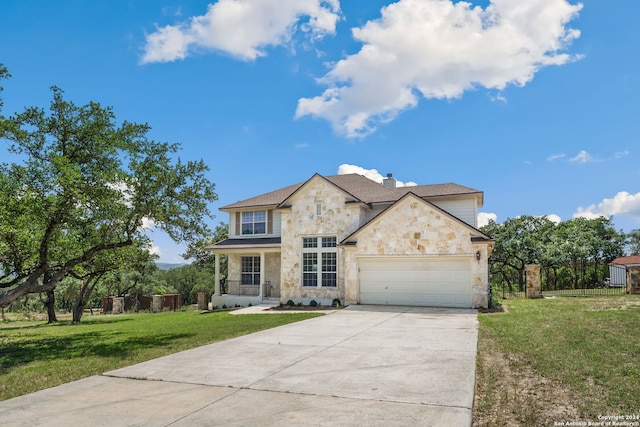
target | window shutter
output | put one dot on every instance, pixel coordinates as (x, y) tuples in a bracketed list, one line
[(269, 222), (238, 223)]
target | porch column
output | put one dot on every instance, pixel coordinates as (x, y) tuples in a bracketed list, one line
[(262, 276), (216, 281)]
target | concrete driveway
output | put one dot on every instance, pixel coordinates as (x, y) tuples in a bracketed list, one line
[(361, 366)]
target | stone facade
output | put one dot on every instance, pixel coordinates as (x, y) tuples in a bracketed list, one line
[(415, 228), (302, 220), (271, 273)]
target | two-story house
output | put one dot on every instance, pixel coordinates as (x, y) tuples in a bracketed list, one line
[(349, 238)]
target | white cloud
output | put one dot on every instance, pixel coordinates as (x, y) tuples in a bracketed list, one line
[(439, 49), (147, 224), (621, 154), (553, 157), (484, 217), (154, 250), (243, 28), (372, 174), (582, 157), (622, 203), (554, 218)]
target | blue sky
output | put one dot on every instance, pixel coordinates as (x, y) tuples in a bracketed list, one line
[(535, 103)]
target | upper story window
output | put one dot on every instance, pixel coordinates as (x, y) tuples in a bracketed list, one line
[(254, 222)]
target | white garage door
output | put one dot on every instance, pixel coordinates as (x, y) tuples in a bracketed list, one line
[(441, 282)]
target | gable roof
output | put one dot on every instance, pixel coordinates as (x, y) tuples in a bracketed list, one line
[(318, 176), (478, 236), (627, 260), (362, 189)]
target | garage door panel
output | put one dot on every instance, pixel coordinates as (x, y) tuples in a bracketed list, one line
[(430, 282)]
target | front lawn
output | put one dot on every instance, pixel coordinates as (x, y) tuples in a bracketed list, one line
[(35, 355), (560, 360)]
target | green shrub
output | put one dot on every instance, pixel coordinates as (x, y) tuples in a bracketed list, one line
[(313, 303), (336, 303), (290, 303)]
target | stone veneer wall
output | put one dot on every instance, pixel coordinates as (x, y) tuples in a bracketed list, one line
[(415, 228), (337, 219), (272, 271)]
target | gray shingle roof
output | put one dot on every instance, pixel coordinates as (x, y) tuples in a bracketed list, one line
[(262, 243), (360, 187)]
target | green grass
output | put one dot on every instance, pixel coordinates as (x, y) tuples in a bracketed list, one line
[(589, 347), (35, 355)]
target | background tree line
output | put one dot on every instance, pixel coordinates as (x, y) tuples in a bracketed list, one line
[(133, 276), (573, 254)]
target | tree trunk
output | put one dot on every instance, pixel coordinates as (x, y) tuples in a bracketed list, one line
[(77, 312), (51, 307)]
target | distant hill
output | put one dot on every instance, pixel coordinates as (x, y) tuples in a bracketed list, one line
[(169, 266)]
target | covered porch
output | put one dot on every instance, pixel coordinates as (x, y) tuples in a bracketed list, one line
[(253, 272)]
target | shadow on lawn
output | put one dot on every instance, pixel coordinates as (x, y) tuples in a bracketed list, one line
[(7, 325), (100, 343)]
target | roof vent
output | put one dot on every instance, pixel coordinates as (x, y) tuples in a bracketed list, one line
[(389, 181)]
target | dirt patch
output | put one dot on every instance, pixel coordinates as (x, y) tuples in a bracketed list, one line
[(497, 308), (509, 396), (614, 305)]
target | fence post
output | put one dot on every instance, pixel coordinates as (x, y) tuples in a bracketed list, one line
[(156, 303), (118, 305), (533, 280), (203, 301)]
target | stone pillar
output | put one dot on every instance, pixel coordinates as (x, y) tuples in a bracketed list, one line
[(203, 301), (217, 274), (633, 279), (156, 304), (118, 305), (533, 280)]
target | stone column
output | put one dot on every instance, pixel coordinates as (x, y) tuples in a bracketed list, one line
[(533, 280), (633, 279), (156, 304), (203, 301), (118, 305)]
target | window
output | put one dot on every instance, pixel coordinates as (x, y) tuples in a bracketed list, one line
[(250, 270), (254, 222), (329, 269), (319, 262), (309, 242), (309, 269)]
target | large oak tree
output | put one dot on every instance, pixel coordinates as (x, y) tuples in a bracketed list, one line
[(82, 185)]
